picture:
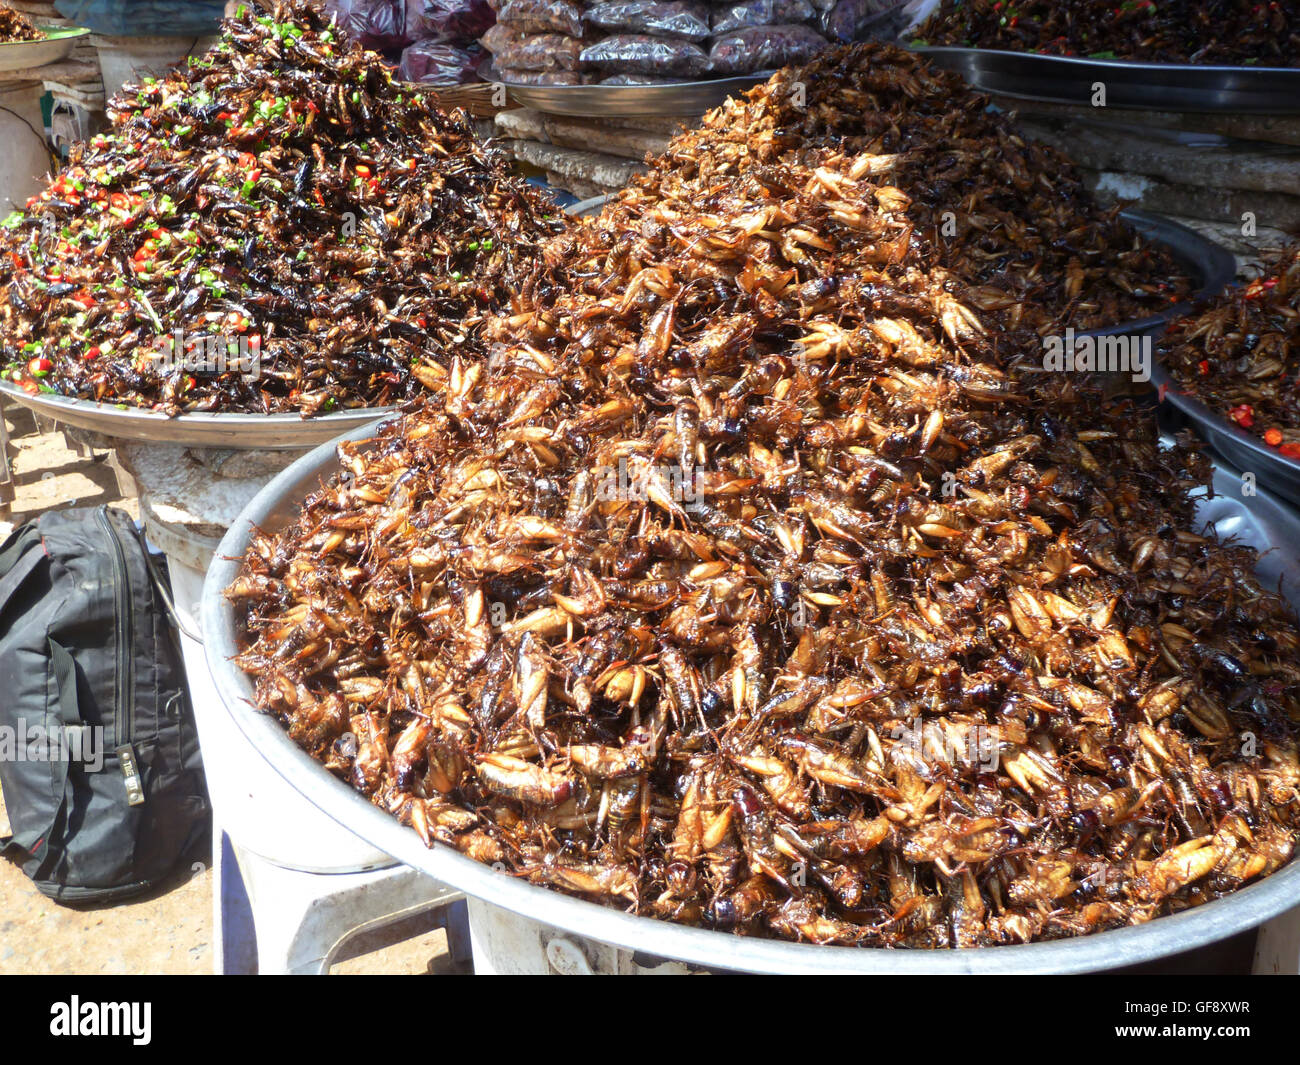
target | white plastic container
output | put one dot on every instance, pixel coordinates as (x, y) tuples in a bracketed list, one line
[(185, 506), (24, 159)]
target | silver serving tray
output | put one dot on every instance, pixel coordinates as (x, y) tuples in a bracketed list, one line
[(1262, 519), (243, 432), (1129, 86), (629, 101), (59, 41)]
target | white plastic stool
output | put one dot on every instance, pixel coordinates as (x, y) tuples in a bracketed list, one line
[(304, 920)]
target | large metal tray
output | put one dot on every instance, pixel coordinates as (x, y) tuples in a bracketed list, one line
[(59, 41), (628, 101), (242, 432), (1258, 519), (1129, 86), (1244, 450)]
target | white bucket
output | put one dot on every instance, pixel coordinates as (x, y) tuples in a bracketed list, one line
[(24, 159), (123, 59), (252, 803)]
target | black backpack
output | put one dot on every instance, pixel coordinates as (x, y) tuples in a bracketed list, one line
[(101, 774)]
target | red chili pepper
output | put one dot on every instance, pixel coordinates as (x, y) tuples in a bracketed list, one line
[(1291, 451), (1204, 367), (39, 366), (1273, 437), (92, 352), (1243, 415)]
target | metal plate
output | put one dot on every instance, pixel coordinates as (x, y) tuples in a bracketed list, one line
[(243, 432), (277, 503), (1129, 86), (1244, 450), (59, 41), (588, 208), (627, 101)]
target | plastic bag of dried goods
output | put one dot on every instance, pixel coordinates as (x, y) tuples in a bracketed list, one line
[(542, 16), (848, 19), (637, 53), (540, 77), (500, 37), (737, 16), (540, 51), (662, 18), (764, 48), (377, 24), (447, 20), (440, 63)]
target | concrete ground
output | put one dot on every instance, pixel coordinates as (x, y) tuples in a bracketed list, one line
[(169, 930)]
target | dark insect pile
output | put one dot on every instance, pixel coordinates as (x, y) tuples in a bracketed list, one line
[(275, 227), (15, 27), (1219, 32), (745, 585), (1241, 356)]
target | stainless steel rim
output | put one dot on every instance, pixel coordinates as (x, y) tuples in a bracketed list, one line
[(246, 432), (1244, 450), (683, 98), (1193, 928), (1129, 85)]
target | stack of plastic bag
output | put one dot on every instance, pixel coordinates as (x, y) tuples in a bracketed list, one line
[(648, 42), (433, 42)]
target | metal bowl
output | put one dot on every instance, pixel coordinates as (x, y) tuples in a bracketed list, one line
[(278, 503), (59, 41), (1129, 86), (1211, 266), (1244, 450), (242, 432)]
